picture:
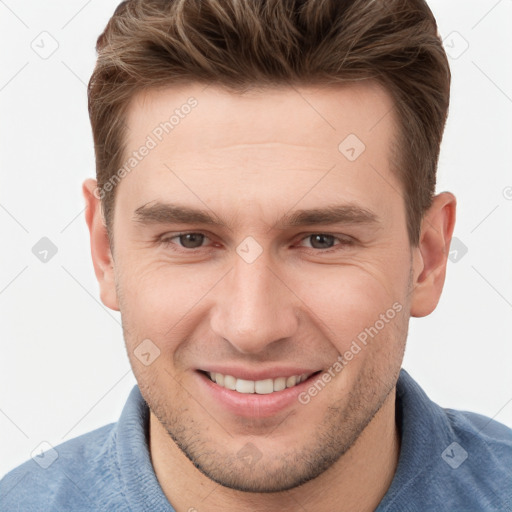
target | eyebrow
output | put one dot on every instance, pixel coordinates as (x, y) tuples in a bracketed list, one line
[(167, 213)]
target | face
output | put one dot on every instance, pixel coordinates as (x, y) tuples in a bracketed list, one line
[(270, 287)]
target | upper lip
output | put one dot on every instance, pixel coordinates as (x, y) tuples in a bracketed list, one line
[(259, 374)]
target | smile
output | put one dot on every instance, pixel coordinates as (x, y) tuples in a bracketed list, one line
[(262, 387)]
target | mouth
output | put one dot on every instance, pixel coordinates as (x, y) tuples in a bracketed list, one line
[(260, 387)]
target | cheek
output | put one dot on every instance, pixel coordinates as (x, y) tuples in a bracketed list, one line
[(354, 303), (158, 297)]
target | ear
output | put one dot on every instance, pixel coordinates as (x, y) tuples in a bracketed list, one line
[(431, 255), (100, 245)]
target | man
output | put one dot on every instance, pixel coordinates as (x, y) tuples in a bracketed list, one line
[(264, 219)]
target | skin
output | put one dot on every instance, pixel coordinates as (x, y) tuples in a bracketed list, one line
[(250, 159)]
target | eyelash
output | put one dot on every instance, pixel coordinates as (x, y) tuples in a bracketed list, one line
[(344, 242)]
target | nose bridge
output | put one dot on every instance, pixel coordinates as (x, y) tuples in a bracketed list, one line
[(256, 308)]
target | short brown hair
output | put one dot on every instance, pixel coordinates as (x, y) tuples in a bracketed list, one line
[(241, 44)]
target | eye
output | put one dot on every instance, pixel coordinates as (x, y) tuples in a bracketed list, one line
[(320, 242), (187, 240)]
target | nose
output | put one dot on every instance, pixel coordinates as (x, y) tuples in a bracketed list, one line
[(255, 306)]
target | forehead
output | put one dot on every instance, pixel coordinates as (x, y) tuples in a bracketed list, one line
[(210, 144), (310, 114)]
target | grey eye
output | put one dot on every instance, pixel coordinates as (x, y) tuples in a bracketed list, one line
[(319, 241), (191, 240)]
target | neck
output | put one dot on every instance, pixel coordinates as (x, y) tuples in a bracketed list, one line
[(357, 481)]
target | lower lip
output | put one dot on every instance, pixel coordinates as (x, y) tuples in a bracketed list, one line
[(254, 405)]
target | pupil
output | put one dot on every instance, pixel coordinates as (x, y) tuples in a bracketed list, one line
[(191, 238), (322, 239)]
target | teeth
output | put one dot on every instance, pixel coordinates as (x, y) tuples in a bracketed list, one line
[(264, 387), (291, 381), (261, 387), (219, 379), (245, 386), (279, 383), (229, 382)]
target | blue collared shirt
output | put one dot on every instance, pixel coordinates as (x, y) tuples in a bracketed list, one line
[(449, 461)]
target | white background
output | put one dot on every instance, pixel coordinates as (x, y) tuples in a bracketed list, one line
[(63, 366)]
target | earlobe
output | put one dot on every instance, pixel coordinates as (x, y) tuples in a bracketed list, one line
[(102, 259), (432, 254)]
